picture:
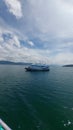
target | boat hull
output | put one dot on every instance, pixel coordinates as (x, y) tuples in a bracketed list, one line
[(36, 69)]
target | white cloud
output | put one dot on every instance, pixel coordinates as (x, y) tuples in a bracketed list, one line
[(15, 40), (47, 18), (1, 39), (30, 43), (50, 23), (11, 49), (63, 58), (14, 7)]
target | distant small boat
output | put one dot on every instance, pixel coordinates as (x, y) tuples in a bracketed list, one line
[(37, 68), (4, 126)]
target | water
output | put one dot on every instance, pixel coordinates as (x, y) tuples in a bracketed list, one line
[(36, 100)]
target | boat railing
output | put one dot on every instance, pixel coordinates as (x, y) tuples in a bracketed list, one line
[(4, 125)]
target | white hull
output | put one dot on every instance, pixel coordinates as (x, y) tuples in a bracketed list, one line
[(37, 68)]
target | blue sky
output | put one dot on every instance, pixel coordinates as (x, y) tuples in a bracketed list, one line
[(36, 31)]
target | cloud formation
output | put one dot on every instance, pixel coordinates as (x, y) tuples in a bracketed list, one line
[(53, 18), (14, 7), (42, 31), (30, 43), (12, 49)]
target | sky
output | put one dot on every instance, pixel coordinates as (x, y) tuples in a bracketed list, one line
[(36, 31)]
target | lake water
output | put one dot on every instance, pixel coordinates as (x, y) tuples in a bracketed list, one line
[(36, 100)]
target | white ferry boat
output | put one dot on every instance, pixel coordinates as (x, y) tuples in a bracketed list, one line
[(37, 67)]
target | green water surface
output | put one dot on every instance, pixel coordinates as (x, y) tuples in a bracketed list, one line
[(36, 100)]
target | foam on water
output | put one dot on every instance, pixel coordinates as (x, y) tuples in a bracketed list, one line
[(68, 123)]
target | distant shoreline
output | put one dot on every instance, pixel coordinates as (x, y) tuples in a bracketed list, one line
[(13, 63), (71, 65)]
